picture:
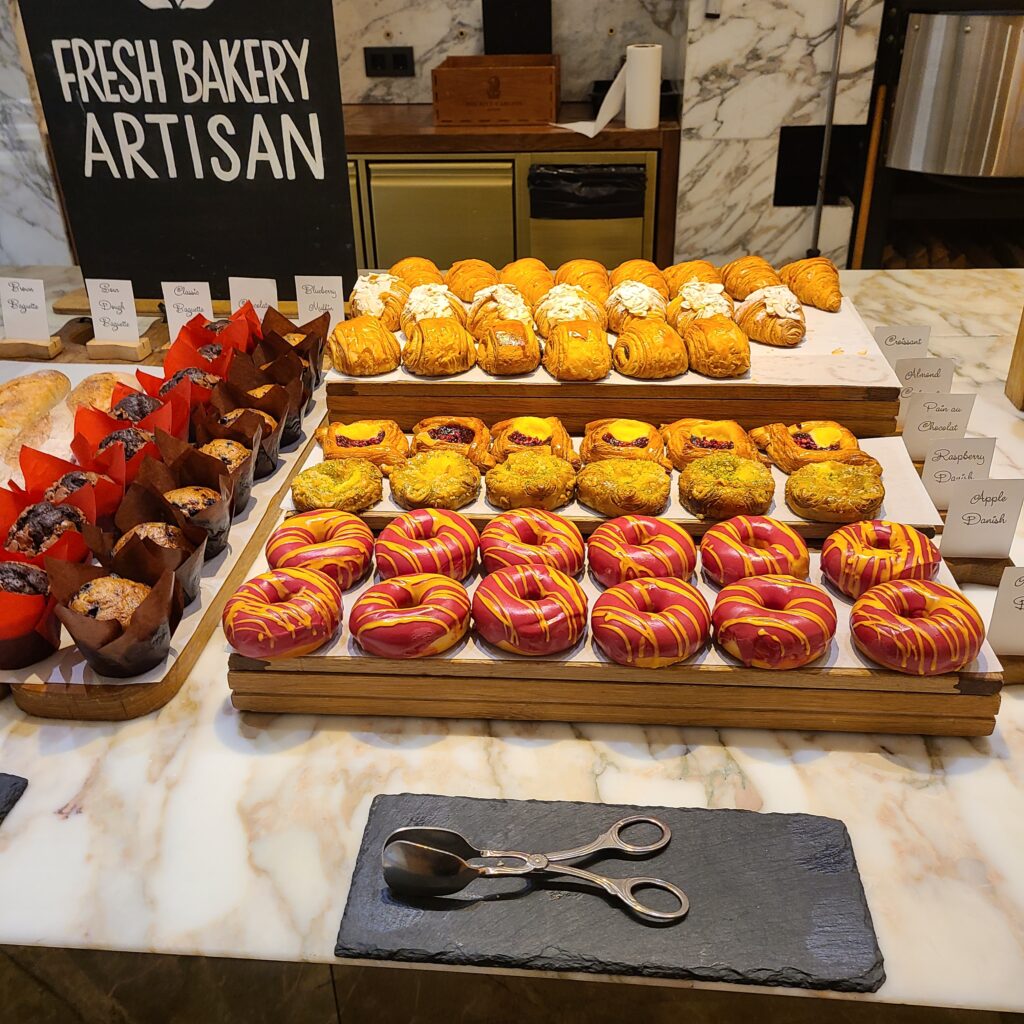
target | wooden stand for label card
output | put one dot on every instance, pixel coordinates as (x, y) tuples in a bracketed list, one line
[(104, 351), (78, 302), (76, 331), (1014, 389)]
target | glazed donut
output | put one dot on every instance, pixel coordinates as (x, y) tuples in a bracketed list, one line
[(414, 616), (531, 536), (917, 626), (282, 613), (427, 540), (861, 555), (776, 622), (339, 544), (752, 546), (651, 623), (634, 547), (530, 609)]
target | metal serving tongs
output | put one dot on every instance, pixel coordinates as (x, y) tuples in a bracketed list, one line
[(439, 861)]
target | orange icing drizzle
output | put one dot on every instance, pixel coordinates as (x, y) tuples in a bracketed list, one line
[(427, 541)]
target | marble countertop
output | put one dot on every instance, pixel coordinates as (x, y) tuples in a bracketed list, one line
[(202, 830)]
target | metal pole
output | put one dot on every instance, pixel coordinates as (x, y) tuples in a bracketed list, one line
[(830, 112)]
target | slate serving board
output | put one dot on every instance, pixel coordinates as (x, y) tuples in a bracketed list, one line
[(775, 899), (11, 789)]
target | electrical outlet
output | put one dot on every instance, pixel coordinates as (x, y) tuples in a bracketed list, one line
[(389, 61)]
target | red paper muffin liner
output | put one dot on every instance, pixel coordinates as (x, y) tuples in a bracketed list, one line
[(40, 469), (29, 629), (91, 426)]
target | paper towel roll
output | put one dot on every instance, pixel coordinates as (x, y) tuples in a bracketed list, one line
[(643, 85)]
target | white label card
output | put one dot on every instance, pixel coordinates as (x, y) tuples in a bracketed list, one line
[(183, 300), (23, 307), (903, 342), (113, 309), (933, 418), (929, 375), (317, 293), (952, 462), (982, 518), (260, 291), (1006, 630)]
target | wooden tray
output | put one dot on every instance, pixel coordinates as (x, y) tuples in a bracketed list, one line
[(844, 692), (837, 373)]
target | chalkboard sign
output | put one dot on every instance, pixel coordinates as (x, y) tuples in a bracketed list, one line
[(196, 138)]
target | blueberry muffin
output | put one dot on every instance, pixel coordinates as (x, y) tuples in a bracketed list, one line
[(231, 453), (190, 501), (109, 598), (40, 526), (269, 423), (164, 534), (262, 390)]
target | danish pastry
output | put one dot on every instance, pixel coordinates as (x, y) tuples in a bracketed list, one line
[(690, 439), (430, 302), (435, 479), (578, 351), (380, 295), (416, 271), (618, 487), (716, 347), (508, 347), (380, 441), (697, 300), (438, 347), (772, 316), (830, 492), (467, 277), (723, 485), (362, 347), (532, 433), (747, 274), (815, 282), (588, 274), (567, 302), (649, 350), (811, 441), (495, 303), (642, 271), (466, 435), (701, 271), (531, 479), (633, 300), (351, 485), (622, 439), (530, 276)]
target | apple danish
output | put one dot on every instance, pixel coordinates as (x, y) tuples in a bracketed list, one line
[(690, 270), (642, 271), (494, 303), (535, 434), (466, 435), (747, 274), (362, 347), (567, 302), (650, 350), (801, 444), (815, 282), (698, 300), (380, 441), (772, 316), (467, 277), (417, 270), (716, 347), (690, 439), (509, 347), (588, 274), (438, 347), (578, 350), (617, 488), (430, 302), (633, 300), (380, 295), (623, 439), (530, 276), (835, 492)]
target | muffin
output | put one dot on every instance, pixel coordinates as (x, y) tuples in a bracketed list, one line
[(25, 579), (134, 440), (231, 453), (203, 378), (619, 487), (164, 534), (435, 479), (269, 423), (528, 479), (109, 598), (351, 485), (136, 406), (262, 390), (724, 485), (190, 501), (216, 326), (40, 526), (75, 480)]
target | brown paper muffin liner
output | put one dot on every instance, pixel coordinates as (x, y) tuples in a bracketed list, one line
[(278, 360), (314, 341), (246, 377), (227, 398), (172, 449)]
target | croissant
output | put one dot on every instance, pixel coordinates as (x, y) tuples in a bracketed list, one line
[(417, 270), (650, 350), (509, 347), (691, 270), (696, 301), (362, 347), (747, 274), (717, 347), (622, 439), (466, 435), (632, 300), (467, 277), (578, 350), (690, 439), (642, 271), (437, 347), (567, 302), (588, 274), (532, 433), (800, 444), (815, 282), (494, 303), (429, 302), (772, 316), (380, 441), (380, 295), (530, 276)]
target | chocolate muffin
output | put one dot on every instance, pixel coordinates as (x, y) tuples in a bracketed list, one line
[(70, 482), (211, 351), (201, 377), (22, 578), (109, 598), (134, 440), (190, 501), (269, 423), (261, 390), (136, 406), (164, 534), (231, 453), (216, 326), (40, 526)]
